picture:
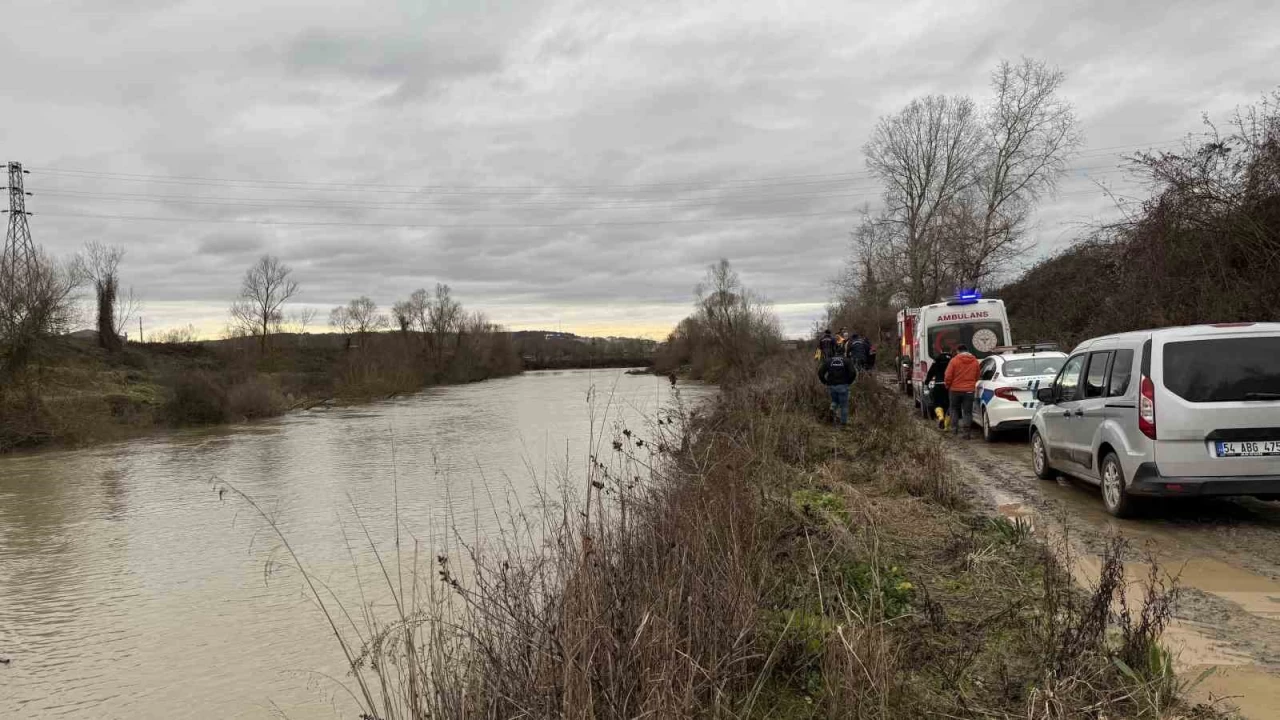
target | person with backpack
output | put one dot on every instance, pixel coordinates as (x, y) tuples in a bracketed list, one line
[(859, 350), (826, 344), (961, 378), (838, 372)]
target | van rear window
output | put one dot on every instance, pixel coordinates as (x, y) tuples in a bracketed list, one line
[(1223, 370)]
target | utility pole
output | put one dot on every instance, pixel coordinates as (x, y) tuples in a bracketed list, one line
[(18, 262)]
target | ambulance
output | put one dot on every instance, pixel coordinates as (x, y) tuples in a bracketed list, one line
[(967, 319)]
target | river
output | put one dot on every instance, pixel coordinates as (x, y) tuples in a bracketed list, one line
[(132, 585)]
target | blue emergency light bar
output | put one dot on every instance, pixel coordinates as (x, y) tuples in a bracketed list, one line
[(966, 297)]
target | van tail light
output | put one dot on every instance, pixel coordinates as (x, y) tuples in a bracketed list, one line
[(1007, 393), (1147, 407)]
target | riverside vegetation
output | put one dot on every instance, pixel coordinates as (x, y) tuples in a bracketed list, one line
[(750, 560), (72, 391)]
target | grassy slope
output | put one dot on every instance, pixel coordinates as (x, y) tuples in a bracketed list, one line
[(771, 566)]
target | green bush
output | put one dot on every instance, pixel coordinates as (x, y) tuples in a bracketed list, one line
[(198, 398)]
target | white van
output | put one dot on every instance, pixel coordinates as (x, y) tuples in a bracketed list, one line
[(1173, 412), (980, 324)]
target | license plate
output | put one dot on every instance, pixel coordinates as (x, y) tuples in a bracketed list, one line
[(1248, 448)]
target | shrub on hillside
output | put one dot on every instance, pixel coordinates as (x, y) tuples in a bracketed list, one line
[(198, 398), (254, 398)]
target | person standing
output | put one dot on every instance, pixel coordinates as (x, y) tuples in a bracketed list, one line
[(837, 372), (826, 344), (961, 378), (936, 394), (859, 350)]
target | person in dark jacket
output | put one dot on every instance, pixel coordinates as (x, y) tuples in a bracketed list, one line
[(938, 396), (827, 344), (859, 350), (838, 373)]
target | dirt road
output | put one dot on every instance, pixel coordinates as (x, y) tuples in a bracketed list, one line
[(1225, 554)]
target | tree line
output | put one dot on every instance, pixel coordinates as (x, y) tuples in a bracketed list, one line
[(1203, 247), (961, 181)]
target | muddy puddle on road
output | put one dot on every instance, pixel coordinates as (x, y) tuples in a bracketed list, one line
[(1225, 555)]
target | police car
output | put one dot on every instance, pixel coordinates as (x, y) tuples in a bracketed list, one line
[(1005, 397)]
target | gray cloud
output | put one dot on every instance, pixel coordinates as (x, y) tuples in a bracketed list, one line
[(577, 162)]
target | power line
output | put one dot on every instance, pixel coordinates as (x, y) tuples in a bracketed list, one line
[(455, 189), (460, 226), (564, 205), (648, 203), (747, 183), (293, 203), (862, 191), (609, 223)]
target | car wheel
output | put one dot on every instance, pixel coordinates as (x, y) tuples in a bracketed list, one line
[(987, 433), (1040, 458), (1114, 495)]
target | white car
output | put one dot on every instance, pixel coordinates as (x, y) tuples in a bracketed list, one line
[(1005, 398)]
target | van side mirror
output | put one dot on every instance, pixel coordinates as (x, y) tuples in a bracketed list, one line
[(1047, 395)]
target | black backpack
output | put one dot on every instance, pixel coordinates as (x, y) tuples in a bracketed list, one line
[(841, 366)]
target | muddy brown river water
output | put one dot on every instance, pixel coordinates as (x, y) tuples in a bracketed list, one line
[(130, 588)]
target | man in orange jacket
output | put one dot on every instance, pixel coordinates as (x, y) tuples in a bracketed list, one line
[(961, 379)]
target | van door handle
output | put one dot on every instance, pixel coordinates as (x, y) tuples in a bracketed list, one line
[(1079, 413), (1066, 414)]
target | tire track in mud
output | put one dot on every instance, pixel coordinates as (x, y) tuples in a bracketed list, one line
[(1224, 552)]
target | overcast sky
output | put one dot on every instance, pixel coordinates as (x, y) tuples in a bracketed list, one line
[(560, 164)]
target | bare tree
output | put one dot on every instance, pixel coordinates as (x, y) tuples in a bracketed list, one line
[(36, 306), (101, 266), (420, 307), (925, 155), (302, 319), (1029, 134), (402, 314), (358, 317), (266, 287), (444, 316), (870, 286), (740, 324)]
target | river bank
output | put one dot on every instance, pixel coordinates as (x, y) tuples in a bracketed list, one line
[(75, 394), (770, 565)]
